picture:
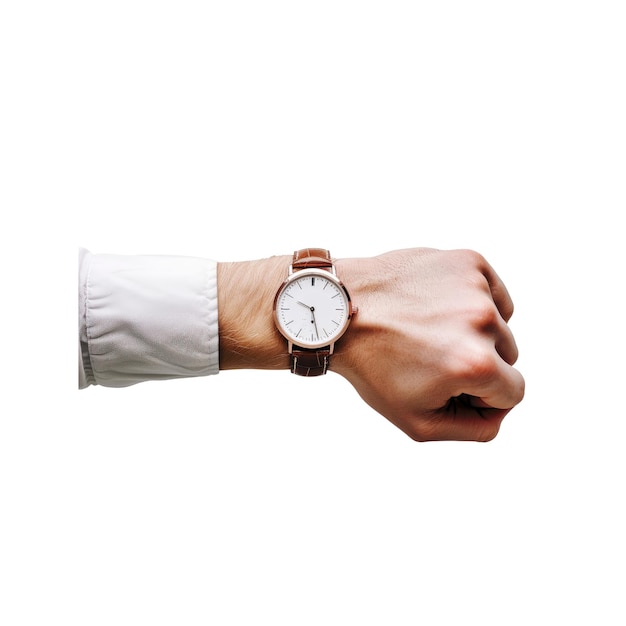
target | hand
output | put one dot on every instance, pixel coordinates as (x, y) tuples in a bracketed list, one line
[(430, 348)]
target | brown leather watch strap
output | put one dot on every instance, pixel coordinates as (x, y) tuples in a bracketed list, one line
[(305, 361), (311, 258), (309, 362)]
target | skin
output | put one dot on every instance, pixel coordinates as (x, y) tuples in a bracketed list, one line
[(429, 348)]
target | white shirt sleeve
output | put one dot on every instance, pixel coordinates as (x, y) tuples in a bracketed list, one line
[(146, 318)]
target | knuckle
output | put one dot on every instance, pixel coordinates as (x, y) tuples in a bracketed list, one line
[(476, 365), (484, 316), (471, 258)]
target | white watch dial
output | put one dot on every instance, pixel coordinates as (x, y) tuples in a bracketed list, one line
[(312, 309)]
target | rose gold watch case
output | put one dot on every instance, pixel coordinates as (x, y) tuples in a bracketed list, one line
[(332, 277)]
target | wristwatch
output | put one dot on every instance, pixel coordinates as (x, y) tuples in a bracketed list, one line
[(312, 310)]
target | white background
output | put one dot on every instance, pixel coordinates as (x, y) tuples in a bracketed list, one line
[(237, 130)]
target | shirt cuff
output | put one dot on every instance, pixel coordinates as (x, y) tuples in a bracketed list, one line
[(146, 318)]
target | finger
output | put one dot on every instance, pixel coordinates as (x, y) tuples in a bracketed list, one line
[(460, 421), (499, 292), (505, 344), (474, 402), (485, 318), (496, 383)]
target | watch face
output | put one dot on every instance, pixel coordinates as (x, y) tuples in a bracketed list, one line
[(312, 309)]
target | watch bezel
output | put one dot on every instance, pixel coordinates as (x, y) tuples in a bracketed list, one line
[(327, 275)]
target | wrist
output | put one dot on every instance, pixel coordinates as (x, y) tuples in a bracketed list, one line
[(247, 335), (359, 276)]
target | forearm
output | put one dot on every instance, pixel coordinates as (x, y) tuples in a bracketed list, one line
[(248, 336)]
